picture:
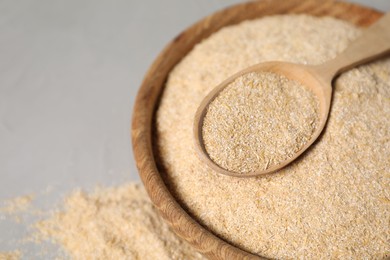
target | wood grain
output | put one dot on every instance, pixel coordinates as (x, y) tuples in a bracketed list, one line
[(153, 84)]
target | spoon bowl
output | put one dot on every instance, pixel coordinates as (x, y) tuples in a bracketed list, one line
[(307, 76), (372, 44)]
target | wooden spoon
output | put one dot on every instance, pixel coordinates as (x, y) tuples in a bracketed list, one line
[(372, 44)]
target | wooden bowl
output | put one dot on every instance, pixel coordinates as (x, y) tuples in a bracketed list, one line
[(148, 99)]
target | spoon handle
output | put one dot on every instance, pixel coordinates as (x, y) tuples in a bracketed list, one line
[(373, 43)]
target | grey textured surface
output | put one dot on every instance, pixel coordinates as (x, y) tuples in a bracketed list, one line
[(69, 73)]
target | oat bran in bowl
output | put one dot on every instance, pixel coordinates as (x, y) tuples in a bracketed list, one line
[(331, 203)]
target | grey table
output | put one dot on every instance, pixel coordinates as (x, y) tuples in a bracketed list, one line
[(69, 73)]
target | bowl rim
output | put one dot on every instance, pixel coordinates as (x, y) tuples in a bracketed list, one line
[(148, 97)]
